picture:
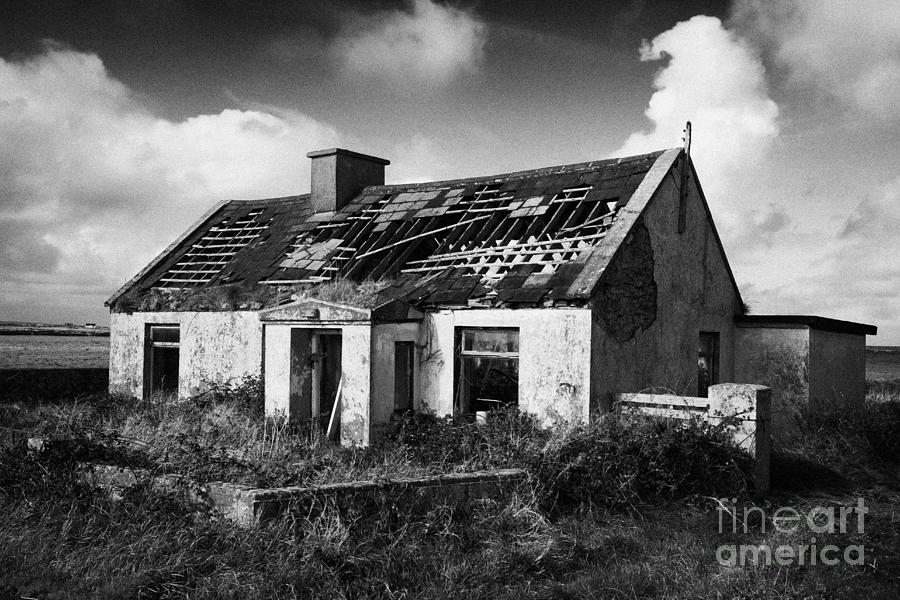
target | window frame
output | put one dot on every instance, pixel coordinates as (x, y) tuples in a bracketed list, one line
[(461, 354), (150, 357)]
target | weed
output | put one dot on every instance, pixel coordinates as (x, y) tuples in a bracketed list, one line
[(621, 460)]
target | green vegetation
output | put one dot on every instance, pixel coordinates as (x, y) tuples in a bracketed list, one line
[(621, 508), (222, 297), (363, 294), (243, 296)]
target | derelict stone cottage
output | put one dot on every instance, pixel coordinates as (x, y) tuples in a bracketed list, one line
[(551, 289)]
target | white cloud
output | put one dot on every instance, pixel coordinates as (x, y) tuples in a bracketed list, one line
[(714, 79), (847, 48), (428, 43), (92, 184), (850, 269)]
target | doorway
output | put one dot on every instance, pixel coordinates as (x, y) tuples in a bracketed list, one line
[(161, 360), (325, 358)]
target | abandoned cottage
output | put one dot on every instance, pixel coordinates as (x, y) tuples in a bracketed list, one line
[(551, 289)]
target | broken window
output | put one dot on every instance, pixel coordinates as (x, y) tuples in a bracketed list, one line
[(162, 358), (403, 376), (487, 369), (707, 362)]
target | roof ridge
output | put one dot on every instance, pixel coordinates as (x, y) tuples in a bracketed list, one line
[(539, 171)]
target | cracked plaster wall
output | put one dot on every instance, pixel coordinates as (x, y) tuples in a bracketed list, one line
[(216, 347), (554, 359), (645, 328)]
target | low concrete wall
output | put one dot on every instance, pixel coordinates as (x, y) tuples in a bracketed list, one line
[(247, 506), (746, 407), (50, 384)]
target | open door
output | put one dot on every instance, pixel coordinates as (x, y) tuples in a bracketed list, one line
[(326, 352)]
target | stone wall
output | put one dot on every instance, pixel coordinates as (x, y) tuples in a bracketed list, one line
[(248, 506)]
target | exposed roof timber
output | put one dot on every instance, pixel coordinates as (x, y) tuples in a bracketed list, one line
[(166, 253), (466, 231), (604, 252)]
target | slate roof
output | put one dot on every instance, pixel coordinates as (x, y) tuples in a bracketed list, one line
[(515, 239)]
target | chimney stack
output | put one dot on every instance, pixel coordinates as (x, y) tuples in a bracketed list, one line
[(338, 175)]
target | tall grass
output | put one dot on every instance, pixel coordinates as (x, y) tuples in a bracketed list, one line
[(567, 536)]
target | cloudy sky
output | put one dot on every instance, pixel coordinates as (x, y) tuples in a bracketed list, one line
[(122, 122)]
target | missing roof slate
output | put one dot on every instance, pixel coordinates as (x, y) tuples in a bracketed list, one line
[(528, 224)]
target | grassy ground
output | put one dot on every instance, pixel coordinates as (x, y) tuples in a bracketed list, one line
[(623, 508)]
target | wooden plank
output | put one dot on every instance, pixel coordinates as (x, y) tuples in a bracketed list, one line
[(427, 233), (392, 260), (335, 419), (664, 400)]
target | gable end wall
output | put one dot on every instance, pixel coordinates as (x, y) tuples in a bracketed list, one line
[(660, 290)]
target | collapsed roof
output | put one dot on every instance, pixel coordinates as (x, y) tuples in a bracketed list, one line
[(520, 238)]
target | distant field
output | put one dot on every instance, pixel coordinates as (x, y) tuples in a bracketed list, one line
[(53, 352), (60, 352), (882, 363)]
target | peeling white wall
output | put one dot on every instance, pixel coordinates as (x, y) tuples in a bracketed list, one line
[(277, 370), (554, 359), (216, 347), (356, 394), (384, 335), (356, 372)]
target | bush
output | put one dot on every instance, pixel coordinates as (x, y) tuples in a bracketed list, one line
[(882, 429), (623, 459), (508, 438), (246, 396)]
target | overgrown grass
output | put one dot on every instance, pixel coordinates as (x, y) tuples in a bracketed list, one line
[(364, 294), (619, 508), (217, 298), (859, 441)]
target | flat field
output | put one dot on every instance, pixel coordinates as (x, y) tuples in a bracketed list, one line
[(90, 352), (882, 363), (53, 352)]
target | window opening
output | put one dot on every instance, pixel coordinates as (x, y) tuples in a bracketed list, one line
[(707, 362), (487, 366), (163, 357)]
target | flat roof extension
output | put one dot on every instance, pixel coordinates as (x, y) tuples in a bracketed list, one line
[(810, 321)]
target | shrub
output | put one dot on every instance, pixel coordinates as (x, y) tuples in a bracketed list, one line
[(364, 294), (508, 438), (247, 396), (619, 460), (882, 429), (852, 437)]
